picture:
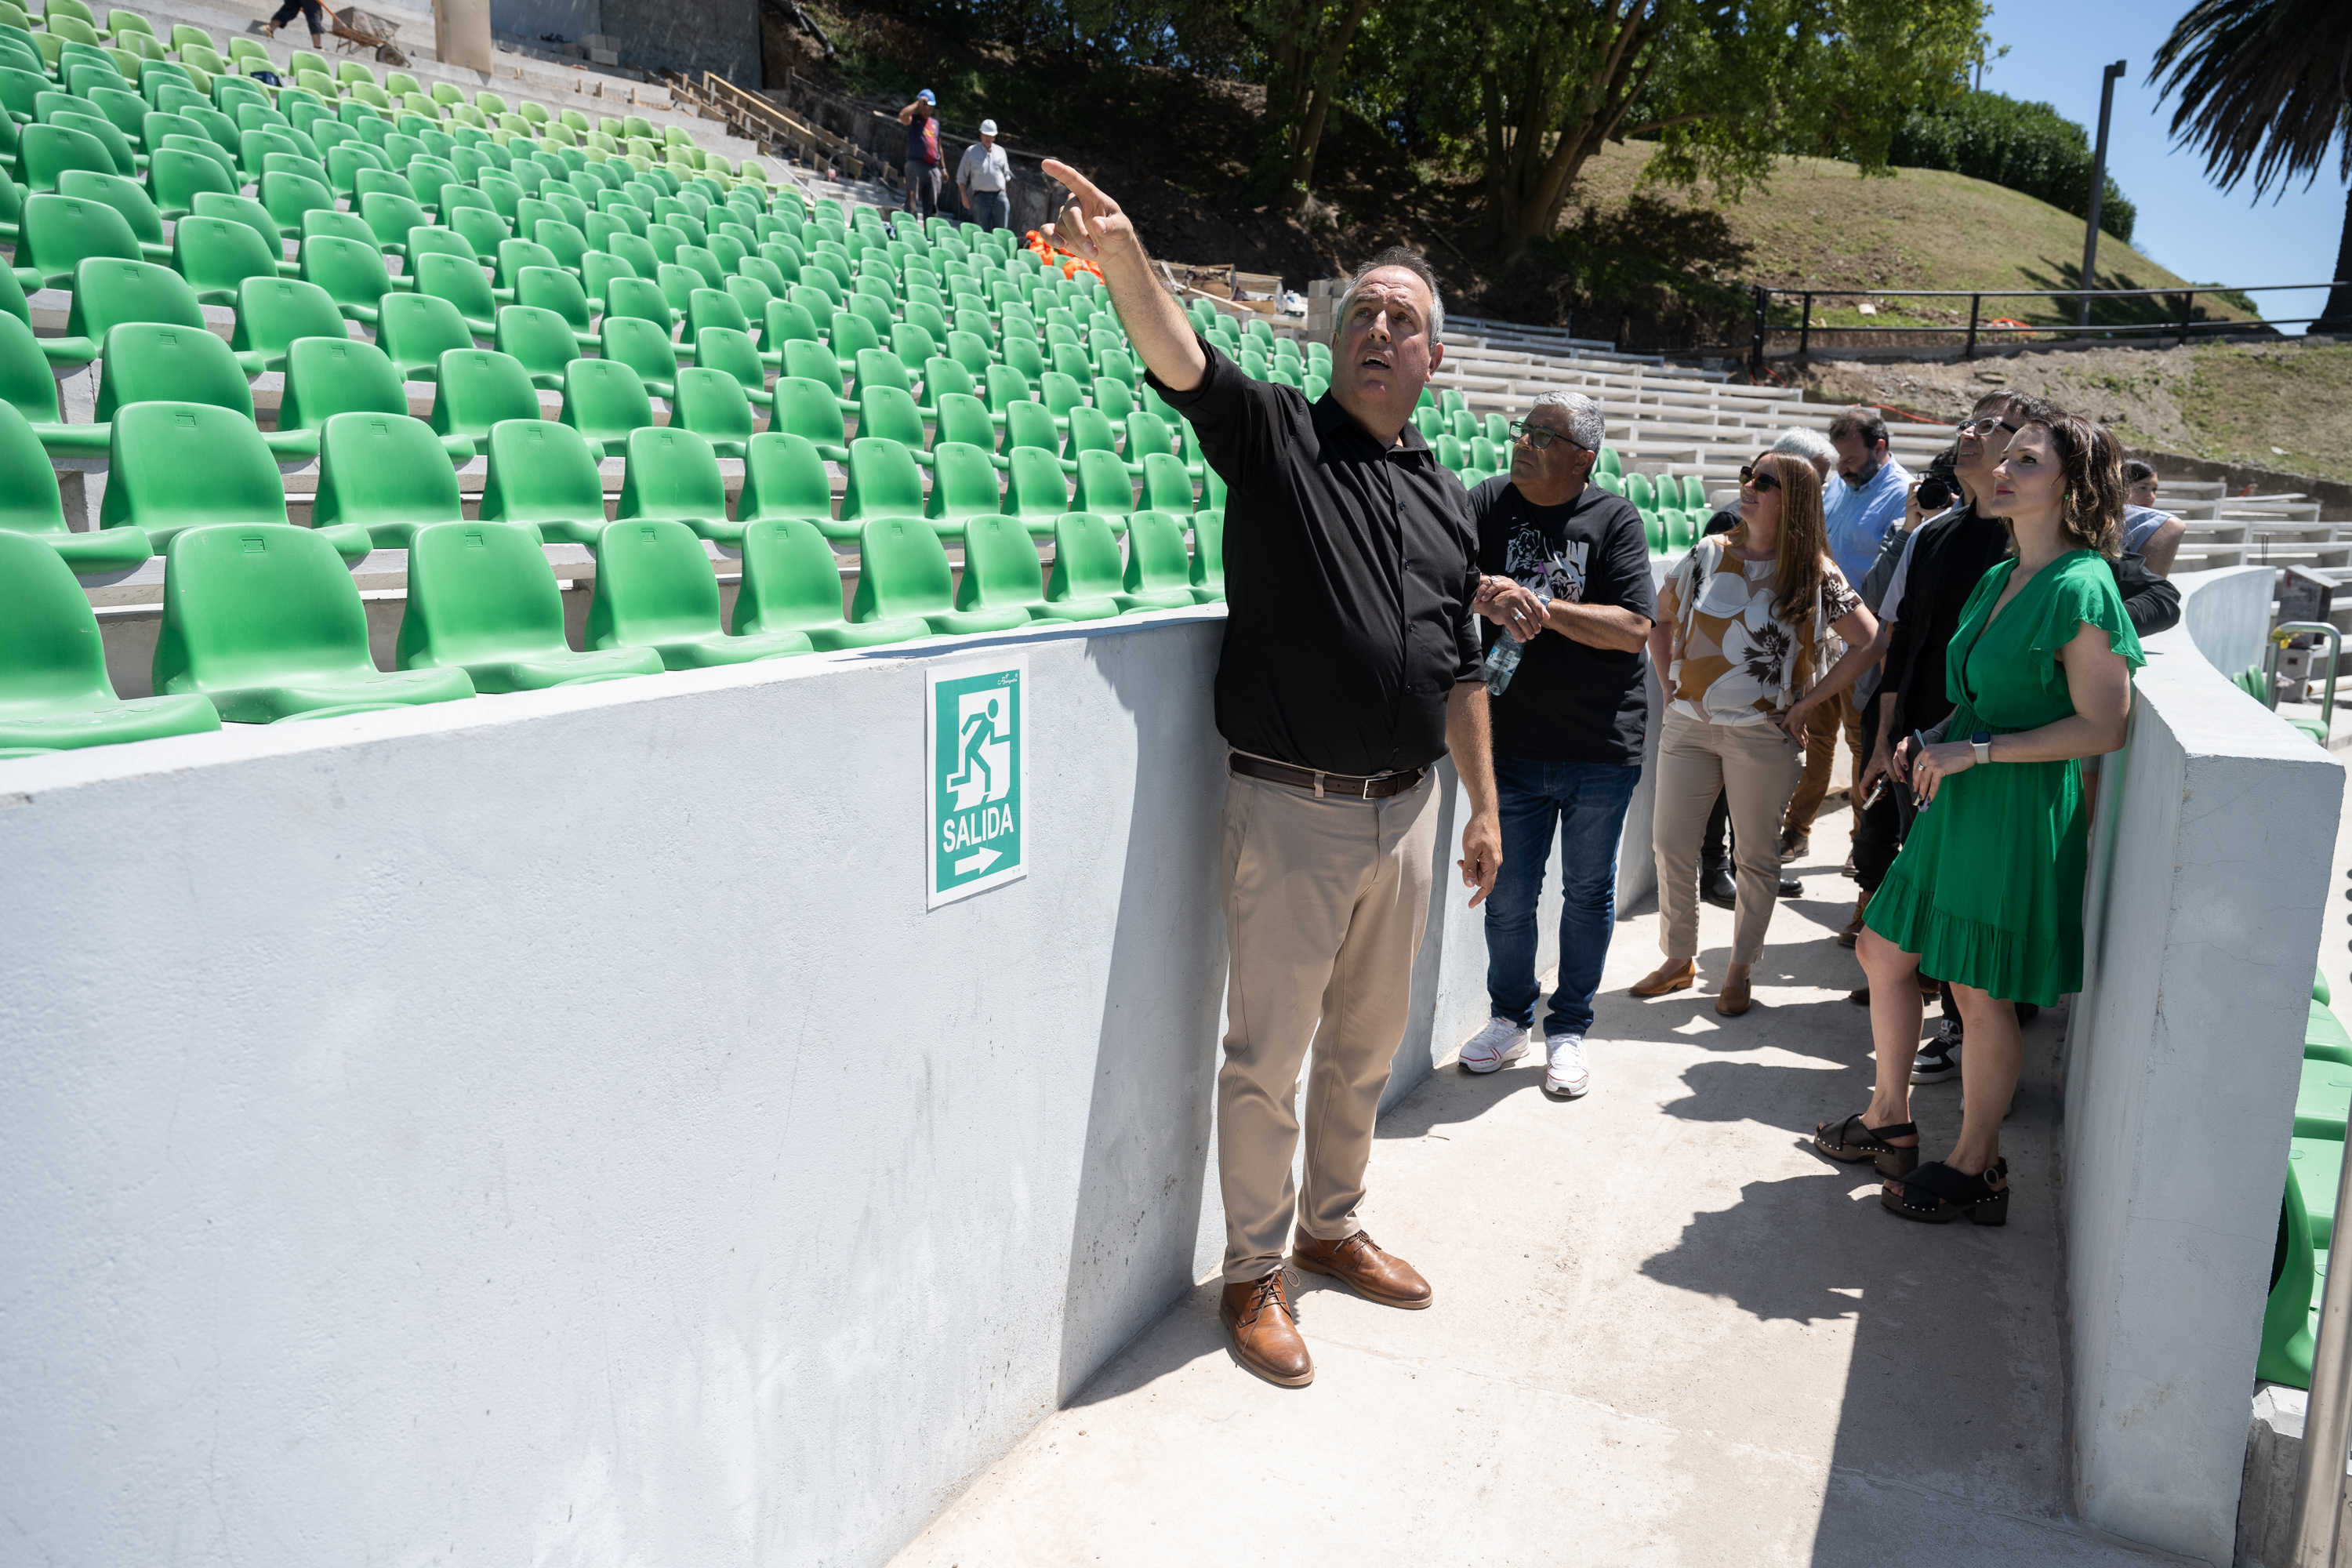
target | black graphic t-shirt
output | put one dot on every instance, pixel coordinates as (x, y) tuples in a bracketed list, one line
[(1569, 703)]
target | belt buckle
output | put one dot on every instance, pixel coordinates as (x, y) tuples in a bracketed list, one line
[(1365, 791)]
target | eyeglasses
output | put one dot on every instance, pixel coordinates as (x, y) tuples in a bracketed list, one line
[(1987, 424), (1537, 436), (1758, 478)]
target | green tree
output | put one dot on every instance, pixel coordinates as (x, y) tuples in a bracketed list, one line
[(1539, 86), (2262, 87), (1305, 44)]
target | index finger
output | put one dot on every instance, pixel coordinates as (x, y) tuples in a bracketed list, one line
[(1081, 186)]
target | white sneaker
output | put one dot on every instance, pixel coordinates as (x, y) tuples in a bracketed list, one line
[(1565, 1075), (1498, 1045)]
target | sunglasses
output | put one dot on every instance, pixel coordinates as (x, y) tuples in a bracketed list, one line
[(1987, 426), (1536, 436), (1758, 478)]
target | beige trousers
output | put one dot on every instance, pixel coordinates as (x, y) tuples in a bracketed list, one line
[(1755, 766), (1325, 901), (1836, 715)]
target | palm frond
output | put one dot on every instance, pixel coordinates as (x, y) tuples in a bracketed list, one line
[(2262, 87)]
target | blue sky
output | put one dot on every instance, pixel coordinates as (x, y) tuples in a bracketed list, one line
[(2056, 54)]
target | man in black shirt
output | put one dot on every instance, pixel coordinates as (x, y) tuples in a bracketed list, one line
[(1349, 668), (1568, 575)]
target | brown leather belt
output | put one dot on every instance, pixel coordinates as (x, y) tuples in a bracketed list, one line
[(1347, 786)]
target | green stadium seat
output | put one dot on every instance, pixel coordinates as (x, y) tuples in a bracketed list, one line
[(1208, 580), (477, 389), (903, 574), (386, 473), (2286, 1341), (30, 506), (46, 150), (482, 599), (604, 401), (711, 403), (29, 385), (890, 412), (326, 377), (963, 486), (2326, 1039), (726, 349), (1035, 490), (148, 362), (265, 621), (963, 418), (2323, 1100), (540, 339), (645, 348), (415, 330), (391, 215), (352, 272), (1106, 488), (792, 581), (672, 474), (53, 692), (883, 481), (1001, 571), (176, 465), (784, 476), (1086, 583), (553, 288), (216, 256), (271, 313), (1158, 568), (655, 588), (810, 409), (58, 233), (543, 477), (459, 280)]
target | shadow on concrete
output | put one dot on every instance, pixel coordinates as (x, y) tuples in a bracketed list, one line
[(1133, 1238)]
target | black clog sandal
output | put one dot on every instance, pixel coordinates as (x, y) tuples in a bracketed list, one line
[(1851, 1140), (1948, 1195)]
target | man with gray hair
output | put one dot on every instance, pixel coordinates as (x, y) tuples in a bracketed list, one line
[(1350, 667), (1565, 576)]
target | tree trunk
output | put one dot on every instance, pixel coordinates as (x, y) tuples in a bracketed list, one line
[(1579, 111), (1310, 132), (2337, 316)]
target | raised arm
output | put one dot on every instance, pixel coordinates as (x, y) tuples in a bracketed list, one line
[(1092, 226)]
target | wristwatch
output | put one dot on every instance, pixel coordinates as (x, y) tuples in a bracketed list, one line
[(1982, 743)]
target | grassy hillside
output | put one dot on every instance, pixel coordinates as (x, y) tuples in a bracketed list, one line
[(1818, 224), (2282, 407)]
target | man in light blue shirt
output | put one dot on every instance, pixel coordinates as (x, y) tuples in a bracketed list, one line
[(1866, 496), (1861, 503)]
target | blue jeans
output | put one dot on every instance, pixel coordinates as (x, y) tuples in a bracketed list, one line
[(1587, 802), (991, 210)]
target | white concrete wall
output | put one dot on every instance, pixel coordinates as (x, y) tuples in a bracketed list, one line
[(2227, 614), (549, 1127), (2209, 886)]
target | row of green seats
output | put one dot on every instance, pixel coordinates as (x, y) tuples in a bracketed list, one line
[(2307, 1215)]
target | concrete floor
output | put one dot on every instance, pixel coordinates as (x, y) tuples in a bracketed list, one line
[(1665, 1331)]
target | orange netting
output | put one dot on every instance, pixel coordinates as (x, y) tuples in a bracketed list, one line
[(1055, 256)]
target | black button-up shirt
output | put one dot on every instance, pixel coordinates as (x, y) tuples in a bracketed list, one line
[(1349, 571)]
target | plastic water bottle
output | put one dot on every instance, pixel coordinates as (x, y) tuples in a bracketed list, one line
[(1502, 662)]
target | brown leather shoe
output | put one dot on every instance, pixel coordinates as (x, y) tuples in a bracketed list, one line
[(1668, 977), (1376, 1275), (1731, 998), (1264, 1333), (1851, 933)]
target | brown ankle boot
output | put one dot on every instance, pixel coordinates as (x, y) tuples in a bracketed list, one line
[(1264, 1335), (1668, 977), (1376, 1275), (1852, 932)]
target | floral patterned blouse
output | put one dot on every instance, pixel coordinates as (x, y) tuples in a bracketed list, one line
[(1735, 662)]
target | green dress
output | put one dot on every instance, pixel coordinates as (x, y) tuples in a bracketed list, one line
[(1989, 887)]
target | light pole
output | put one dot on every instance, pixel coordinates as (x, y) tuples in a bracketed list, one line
[(2098, 190)]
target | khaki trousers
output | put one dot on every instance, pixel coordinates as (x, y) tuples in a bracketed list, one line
[(1325, 901), (1838, 715), (1755, 766)]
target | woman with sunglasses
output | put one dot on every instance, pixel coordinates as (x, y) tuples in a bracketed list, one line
[(1988, 891), (1755, 628)]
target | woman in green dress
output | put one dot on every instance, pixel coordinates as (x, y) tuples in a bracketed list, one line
[(1988, 891)]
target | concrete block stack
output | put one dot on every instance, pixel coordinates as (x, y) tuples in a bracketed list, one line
[(1323, 297)]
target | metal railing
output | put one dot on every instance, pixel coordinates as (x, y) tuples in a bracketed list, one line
[(2182, 326)]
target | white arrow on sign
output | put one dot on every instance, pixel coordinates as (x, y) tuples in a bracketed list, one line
[(978, 860)]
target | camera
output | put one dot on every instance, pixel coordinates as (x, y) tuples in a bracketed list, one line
[(1941, 488)]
